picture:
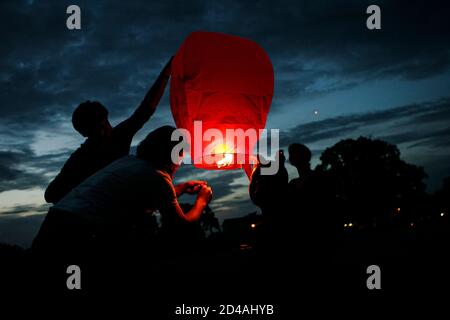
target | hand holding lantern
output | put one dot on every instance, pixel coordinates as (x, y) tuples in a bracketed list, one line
[(194, 186), (204, 195), (189, 187)]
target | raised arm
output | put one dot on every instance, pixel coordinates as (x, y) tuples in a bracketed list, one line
[(148, 104)]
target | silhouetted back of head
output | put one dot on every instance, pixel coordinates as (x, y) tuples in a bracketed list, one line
[(157, 148), (88, 116), (299, 155)]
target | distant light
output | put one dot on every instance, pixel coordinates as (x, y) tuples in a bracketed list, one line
[(345, 225), (442, 214), (253, 226), (412, 224), (350, 224), (398, 209), (316, 112)]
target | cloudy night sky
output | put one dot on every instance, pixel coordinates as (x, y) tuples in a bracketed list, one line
[(334, 79)]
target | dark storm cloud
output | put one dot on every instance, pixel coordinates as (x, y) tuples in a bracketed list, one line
[(434, 139), (22, 169), (47, 70), (12, 177), (315, 47), (408, 116)]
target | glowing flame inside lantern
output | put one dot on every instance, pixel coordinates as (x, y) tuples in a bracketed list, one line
[(227, 153), (226, 161)]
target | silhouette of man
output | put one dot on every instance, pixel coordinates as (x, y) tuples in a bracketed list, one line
[(300, 158), (104, 143), (269, 192), (307, 188), (299, 214), (97, 213), (311, 205)]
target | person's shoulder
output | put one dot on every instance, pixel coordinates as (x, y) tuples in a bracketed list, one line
[(163, 185), (145, 166), (124, 131), (81, 153), (86, 149), (164, 176), (118, 130), (131, 161)]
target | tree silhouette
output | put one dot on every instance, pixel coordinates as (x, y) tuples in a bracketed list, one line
[(209, 221), (371, 181)]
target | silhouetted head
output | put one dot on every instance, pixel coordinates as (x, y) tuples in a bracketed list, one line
[(300, 156), (157, 149), (90, 119)]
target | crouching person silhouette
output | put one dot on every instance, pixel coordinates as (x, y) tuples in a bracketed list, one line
[(94, 217)]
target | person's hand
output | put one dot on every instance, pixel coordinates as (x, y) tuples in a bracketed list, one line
[(167, 68), (249, 169), (193, 186), (205, 194)]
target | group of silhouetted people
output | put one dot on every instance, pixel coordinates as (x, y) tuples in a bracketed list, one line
[(102, 193), (298, 214)]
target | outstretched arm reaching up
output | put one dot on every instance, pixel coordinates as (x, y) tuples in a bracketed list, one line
[(148, 105)]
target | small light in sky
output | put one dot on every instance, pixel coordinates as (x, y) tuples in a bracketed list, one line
[(316, 112), (398, 209), (253, 226), (442, 214)]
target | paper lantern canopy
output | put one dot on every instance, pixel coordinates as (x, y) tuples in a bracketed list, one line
[(226, 82)]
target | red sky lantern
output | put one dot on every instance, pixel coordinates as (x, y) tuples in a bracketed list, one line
[(226, 82)]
